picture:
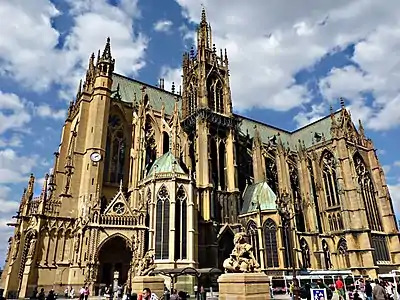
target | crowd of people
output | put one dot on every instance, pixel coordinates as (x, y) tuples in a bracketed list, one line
[(364, 290)]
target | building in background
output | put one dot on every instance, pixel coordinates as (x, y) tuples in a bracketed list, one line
[(141, 168)]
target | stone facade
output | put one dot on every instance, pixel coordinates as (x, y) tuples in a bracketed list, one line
[(142, 168)]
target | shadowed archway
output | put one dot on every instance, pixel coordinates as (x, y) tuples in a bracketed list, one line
[(225, 247), (114, 255)]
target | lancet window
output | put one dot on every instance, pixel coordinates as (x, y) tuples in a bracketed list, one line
[(271, 246), (181, 224), (327, 255), (252, 233), (192, 97), (314, 194), (115, 150), (305, 254), (150, 144), (368, 193), (296, 195), (162, 224), (215, 95), (343, 253), (166, 142), (217, 175), (147, 219), (379, 243), (271, 173), (330, 179), (244, 161)]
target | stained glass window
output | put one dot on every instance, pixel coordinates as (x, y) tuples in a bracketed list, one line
[(115, 150), (368, 193), (271, 247), (162, 224)]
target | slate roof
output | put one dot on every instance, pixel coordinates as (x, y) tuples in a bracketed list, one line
[(130, 90), (166, 163), (258, 193)]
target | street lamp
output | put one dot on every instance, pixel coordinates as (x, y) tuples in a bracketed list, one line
[(283, 205)]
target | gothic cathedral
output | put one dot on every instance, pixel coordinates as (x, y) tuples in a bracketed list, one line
[(140, 168)]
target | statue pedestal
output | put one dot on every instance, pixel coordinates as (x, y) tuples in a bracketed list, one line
[(244, 286), (154, 283)]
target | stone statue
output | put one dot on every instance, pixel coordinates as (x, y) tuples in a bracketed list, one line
[(146, 265), (77, 242), (32, 247), (242, 259), (17, 241)]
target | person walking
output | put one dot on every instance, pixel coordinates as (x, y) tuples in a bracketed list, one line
[(379, 292), (368, 290)]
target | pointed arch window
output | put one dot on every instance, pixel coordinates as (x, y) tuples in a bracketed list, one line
[(368, 193), (147, 220), (314, 194), (330, 179), (271, 173), (296, 195), (327, 255), (211, 94), (252, 233), (115, 150), (305, 254), (343, 253), (271, 246), (192, 99), (181, 224), (162, 224), (150, 144), (215, 95), (219, 97), (166, 142)]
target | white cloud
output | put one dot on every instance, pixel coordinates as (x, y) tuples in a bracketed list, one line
[(163, 26), (14, 167), (386, 169), (7, 205), (13, 113), (395, 194), (317, 111), (378, 74), (15, 141), (24, 56), (265, 56), (171, 76), (45, 111)]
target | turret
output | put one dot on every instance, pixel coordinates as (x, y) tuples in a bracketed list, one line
[(105, 64)]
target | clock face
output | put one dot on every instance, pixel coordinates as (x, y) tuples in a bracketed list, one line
[(95, 156)]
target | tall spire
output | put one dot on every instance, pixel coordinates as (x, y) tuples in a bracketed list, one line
[(203, 17), (105, 65), (342, 102), (204, 32), (107, 50)]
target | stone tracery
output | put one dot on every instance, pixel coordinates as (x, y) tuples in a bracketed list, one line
[(368, 193)]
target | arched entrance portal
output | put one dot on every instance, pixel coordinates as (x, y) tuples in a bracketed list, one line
[(114, 255)]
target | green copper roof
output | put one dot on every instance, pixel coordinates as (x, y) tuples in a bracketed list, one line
[(166, 163), (311, 134), (258, 193)]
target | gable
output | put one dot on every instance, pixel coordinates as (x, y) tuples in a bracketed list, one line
[(119, 206)]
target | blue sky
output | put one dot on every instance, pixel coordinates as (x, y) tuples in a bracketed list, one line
[(289, 63)]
